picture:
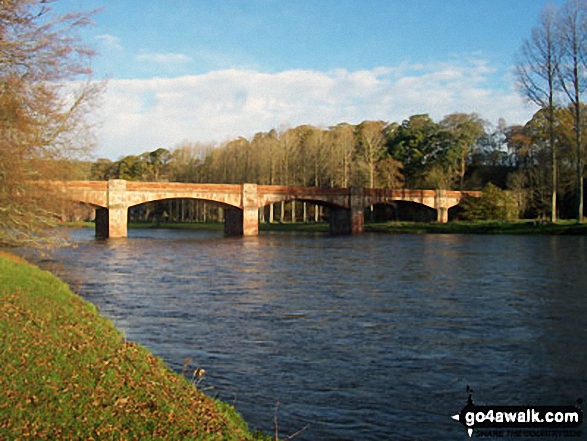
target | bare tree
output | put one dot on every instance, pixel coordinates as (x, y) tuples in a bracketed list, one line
[(372, 146), (187, 161), (573, 41), (537, 71), (46, 93), (343, 139), (289, 146), (389, 173), (264, 148)]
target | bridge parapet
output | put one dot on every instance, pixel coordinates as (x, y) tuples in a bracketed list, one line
[(88, 192)]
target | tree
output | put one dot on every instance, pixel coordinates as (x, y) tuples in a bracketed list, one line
[(530, 158), (46, 93), (371, 147), (305, 164), (494, 204), (412, 143), (187, 162), (156, 163), (537, 71), (466, 130), (289, 142), (264, 147), (573, 41), (492, 149), (131, 168), (343, 140), (443, 161), (389, 173), (102, 170)]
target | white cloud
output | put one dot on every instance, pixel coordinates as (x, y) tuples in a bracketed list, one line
[(162, 58), (110, 41), (145, 114)]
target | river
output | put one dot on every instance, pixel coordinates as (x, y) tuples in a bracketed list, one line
[(361, 337)]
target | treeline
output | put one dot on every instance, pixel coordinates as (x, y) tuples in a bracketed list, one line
[(462, 151)]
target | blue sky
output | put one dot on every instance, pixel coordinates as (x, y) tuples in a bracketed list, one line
[(206, 71)]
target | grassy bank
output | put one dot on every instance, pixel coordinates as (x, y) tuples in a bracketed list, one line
[(454, 227), (478, 227), (460, 227), (66, 373)]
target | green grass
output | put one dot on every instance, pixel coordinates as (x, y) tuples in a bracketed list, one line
[(66, 373), (478, 227), (453, 227)]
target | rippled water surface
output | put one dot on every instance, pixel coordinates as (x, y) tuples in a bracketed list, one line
[(367, 337)]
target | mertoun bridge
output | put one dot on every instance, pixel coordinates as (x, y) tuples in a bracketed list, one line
[(113, 198)]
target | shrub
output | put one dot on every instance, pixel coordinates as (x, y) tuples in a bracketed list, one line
[(494, 204)]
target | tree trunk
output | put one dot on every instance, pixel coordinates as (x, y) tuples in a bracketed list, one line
[(282, 212), (553, 214)]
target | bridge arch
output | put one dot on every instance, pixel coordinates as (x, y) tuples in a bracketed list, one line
[(295, 209), (345, 215), (312, 200), (329, 197), (140, 193), (171, 198), (176, 209), (402, 211)]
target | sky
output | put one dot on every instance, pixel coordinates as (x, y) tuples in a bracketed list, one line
[(213, 70)]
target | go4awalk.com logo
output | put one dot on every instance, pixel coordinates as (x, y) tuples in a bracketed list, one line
[(518, 421)]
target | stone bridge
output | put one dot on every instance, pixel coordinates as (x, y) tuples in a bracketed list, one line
[(113, 198)]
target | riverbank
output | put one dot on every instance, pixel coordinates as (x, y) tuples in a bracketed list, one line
[(454, 227), (479, 227), (66, 373)]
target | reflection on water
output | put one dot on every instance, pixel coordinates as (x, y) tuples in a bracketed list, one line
[(369, 337)]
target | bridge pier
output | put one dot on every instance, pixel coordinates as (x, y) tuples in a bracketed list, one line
[(442, 215), (245, 221), (250, 210), (348, 221), (441, 203), (113, 221)]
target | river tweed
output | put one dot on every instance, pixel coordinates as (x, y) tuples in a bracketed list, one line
[(365, 337)]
